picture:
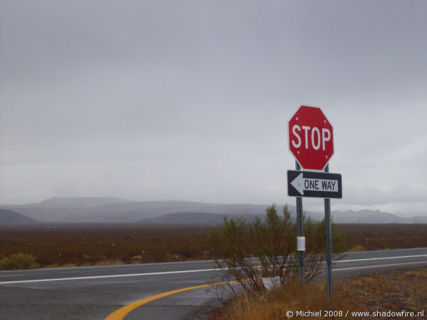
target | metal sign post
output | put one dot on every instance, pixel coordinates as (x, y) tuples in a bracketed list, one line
[(300, 232), (328, 241)]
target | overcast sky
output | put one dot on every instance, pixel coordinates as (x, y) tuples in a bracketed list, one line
[(190, 100)]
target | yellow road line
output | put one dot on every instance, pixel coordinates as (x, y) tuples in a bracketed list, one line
[(121, 313)]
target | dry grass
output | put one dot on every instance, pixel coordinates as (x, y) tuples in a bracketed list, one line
[(357, 248), (105, 244), (394, 290), (82, 245), (384, 236), (274, 304)]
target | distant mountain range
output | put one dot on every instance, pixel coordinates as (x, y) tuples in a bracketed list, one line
[(371, 216), (12, 218), (114, 210), (196, 218)]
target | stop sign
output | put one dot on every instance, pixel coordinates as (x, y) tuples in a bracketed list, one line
[(311, 138)]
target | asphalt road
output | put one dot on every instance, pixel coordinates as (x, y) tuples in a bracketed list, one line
[(96, 292)]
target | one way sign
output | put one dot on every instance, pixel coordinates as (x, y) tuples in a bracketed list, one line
[(314, 184)]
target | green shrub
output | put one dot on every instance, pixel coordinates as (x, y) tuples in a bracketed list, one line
[(250, 251), (19, 261)]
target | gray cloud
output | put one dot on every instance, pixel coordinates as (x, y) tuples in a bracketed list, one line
[(157, 100)]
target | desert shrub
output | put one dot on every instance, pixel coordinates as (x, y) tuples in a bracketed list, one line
[(250, 251), (19, 261)]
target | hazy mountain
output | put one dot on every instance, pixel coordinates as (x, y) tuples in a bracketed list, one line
[(197, 218), (419, 219), (83, 202), (113, 210), (56, 209), (371, 216), (137, 211), (12, 218), (363, 216)]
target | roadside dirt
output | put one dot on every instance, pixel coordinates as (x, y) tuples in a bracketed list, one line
[(383, 294)]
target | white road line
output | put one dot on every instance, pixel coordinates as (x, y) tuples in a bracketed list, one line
[(181, 262), (381, 258), (213, 269), (111, 276), (379, 266)]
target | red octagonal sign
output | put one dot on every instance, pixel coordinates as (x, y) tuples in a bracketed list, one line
[(311, 138)]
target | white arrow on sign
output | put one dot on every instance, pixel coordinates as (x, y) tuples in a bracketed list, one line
[(302, 184)]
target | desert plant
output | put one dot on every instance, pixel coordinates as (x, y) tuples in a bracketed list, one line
[(19, 261), (266, 248)]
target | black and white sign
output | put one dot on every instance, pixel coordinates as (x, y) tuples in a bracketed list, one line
[(314, 184)]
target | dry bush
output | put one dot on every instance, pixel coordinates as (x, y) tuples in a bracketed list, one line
[(18, 261), (357, 248), (109, 263), (250, 251)]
